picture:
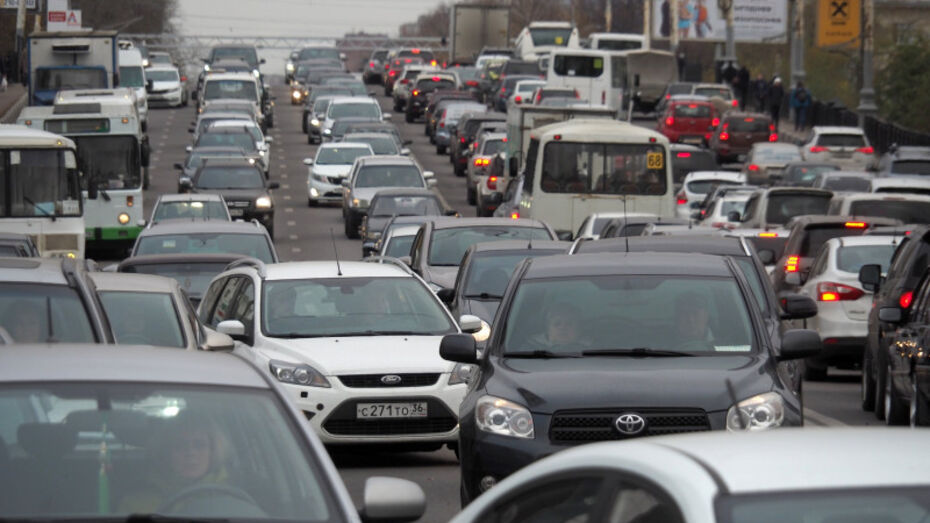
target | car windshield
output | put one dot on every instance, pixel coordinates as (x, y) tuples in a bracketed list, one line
[(254, 245), (246, 126), (846, 183), (550, 35), (779, 155), (404, 206), (341, 110), (489, 273), (340, 155), (230, 178), (874, 505), (684, 162), (814, 237), (37, 313), (728, 205), (318, 52), (904, 210), (399, 246), (143, 318), (243, 140), (192, 276), (131, 76), (208, 209), (244, 89), (114, 449), (389, 176), (492, 147), (783, 207), (851, 258), (911, 167), (245, 54), (700, 316), (721, 92), (609, 44), (380, 144), (841, 140), (447, 246), (161, 76), (56, 78), (39, 182), (351, 306)]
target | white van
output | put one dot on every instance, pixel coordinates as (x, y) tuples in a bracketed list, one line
[(599, 76), (132, 74), (541, 38), (584, 166), (616, 41)]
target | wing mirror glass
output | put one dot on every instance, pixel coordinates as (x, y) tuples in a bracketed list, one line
[(870, 276), (800, 343), (218, 342), (235, 329)]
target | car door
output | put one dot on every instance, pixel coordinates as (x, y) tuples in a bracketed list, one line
[(909, 339)]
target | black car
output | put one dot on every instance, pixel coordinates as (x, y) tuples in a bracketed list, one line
[(675, 340), (388, 203), (192, 271), (241, 184), (689, 158), (505, 88), (464, 134), (416, 104)]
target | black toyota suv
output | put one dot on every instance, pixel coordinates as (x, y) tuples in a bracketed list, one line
[(581, 340), (241, 183)]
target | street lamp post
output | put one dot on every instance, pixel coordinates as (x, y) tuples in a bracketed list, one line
[(867, 93), (797, 42)]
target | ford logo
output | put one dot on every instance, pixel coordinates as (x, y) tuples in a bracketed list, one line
[(630, 424), (391, 379)]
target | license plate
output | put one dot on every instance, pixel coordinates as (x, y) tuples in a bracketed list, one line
[(692, 140), (390, 410), (236, 212)]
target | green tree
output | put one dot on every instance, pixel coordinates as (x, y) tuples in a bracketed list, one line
[(902, 86)]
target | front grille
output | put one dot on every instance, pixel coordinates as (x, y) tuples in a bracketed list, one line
[(343, 422), (334, 180), (61, 242), (374, 380), (599, 425)]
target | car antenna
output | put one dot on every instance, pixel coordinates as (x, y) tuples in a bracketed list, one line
[(733, 399), (335, 252)]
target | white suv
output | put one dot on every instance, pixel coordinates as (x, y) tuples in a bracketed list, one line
[(354, 344), (845, 146)]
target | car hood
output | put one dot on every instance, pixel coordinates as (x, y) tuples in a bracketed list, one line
[(484, 309), (441, 275), (548, 385), (332, 170), (235, 194), (362, 354)]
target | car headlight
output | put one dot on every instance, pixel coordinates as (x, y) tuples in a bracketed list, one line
[(123, 218), (256, 73), (328, 132), (251, 161), (296, 94), (504, 418), (462, 373), (357, 202), (483, 333), (206, 67), (263, 202), (762, 412), (315, 122), (290, 67), (297, 374)]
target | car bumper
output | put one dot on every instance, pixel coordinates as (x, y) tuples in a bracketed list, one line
[(332, 412), (442, 138), (320, 191), (170, 98)]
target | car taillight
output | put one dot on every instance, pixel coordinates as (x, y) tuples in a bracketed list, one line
[(462, 139), (818, 149), (668, 96), (371, 64), (577, 94), (791, 264), (669, 121), (518, 99), (906, 298), (831, 291), (866, 150), (442, 124), (735, 103), (392, 72), (773, 137), (492, 183), (515, 215), (683, 154), (753, 167), (681, 198), (772, 127), (387, 66), (471, 83), (855, 225), (482, 162), (724, 136), (715, 122), (183, 78), (405, 81), (416, 92), (768, 235)]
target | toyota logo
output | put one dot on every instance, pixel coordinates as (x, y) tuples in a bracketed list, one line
[(391, 379), (630, 424)]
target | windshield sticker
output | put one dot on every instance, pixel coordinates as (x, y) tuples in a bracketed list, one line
[(732, 348), (168, 244)]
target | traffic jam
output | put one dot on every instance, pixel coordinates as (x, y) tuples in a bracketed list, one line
[(598, 292)]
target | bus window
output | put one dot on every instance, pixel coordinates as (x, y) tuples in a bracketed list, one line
[(618, 72), (597, 168), (530, 168), (586, 66)]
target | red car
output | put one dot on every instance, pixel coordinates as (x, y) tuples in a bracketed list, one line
[(689, 121)]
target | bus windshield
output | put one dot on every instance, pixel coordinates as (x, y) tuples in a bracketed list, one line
[(71, 79), (110, 162), (39, 182), (550, 36), (604, 168)]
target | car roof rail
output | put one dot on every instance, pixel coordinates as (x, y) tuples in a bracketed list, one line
[(248, 261), (391, 260)]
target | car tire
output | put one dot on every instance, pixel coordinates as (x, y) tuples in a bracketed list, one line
[(895, 411), (812, 373), (867, 385), (351, 227), (471, 194), (919, 410), (440, 149), (879, 388)]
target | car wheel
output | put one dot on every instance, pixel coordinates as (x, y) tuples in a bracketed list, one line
[(895, 413), (867, 385), (919, 409), (879, 388), (812, 373), (310, 140), (459, 171), (472, 194), (440, 149)]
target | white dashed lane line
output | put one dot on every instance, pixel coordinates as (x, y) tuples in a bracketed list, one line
[(288, 209), (291, 223)]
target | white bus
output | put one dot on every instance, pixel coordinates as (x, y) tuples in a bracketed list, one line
[(599, 76), (40, 190), (112, 154), (582, 166), (616, 41), (542, 38)]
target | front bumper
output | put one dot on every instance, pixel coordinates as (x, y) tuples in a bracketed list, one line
[(321, 191), (168, 97), (442, 137)]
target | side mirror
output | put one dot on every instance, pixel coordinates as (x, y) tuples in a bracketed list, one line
[(446, 296), (342, 56), (797, 306), (232, 328), (407, 142), (469, 323), (565, 236), (179, 166), (766, 256), (431, 182), (191, 129), (459, 348), (800, 343), (405, 152), (149, 85), (451, 212), (870, 276), (733, 216), (386, 116), (189, 148), (308, 161), (218, 342), (185, 183), (407, 260), (274, 185), (890, 314), (512, 166), (345, 183), (429, 174), (269, 139)]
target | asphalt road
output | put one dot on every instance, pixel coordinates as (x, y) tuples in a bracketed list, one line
[(305, 233)]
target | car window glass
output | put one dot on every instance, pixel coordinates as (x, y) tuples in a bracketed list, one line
[(570, 499), (38, 313), (223, 310), (750, 208), (244, 308), (254, 245), (205, 310), (634, 503), (852, 258), (447, 246), (398, 246), (782, 207), (389, 176), (752, 276), (906, 211), (143, 318), (841, 140)]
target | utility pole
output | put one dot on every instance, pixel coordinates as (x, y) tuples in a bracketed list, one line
[(727, 7), (673, 34), (647, 24), (608, 15), (867, 93), (797, 42), (20, 43)]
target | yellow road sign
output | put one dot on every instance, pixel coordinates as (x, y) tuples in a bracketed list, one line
[(838, 22)]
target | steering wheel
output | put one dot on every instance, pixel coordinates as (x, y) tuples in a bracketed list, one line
[(205, 490), (695, 346)]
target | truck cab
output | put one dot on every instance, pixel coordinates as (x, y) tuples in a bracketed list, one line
[(72, 60)]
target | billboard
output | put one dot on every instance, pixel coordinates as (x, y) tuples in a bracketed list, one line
[(13, 4), (701, 20)]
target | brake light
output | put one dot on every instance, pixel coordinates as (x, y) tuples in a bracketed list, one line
[(668, 96), (415, 51), (772, 127), (747, 120), (518, 99), (442, 124), (183, 78), (432, 63), (408, 60), (416, 92), (724, 136), (906, 298), (387, 66), (855, 225), (482, 162), (692, 106), (681, 198), (683, 154), (371, 64), (735, 103), (392, 72), (791, 264), (818, 149), (435, 78), (830, 291), (515, 215), (405, 81), (773, 137), (715, 122), (462, 139), (753, 167), (865, 150), (669, 121), (492, 183), (768, 235), (471, 83)]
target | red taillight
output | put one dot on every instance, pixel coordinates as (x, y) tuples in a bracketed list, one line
[(830, 291), (669, 121), (482, 162), (518, 99), (577, 94), (442, 124), (715, 122), (515, 215), (724, 136), (906, 298), (405, 81), (866, 150), (392, 72), (416, 92), (753, 167), (683, 154), (462, 139), (408, 60), (791, 264), (471, 83), (773, 137), (668, 96), (735, 103), (371, 64), (855, 225), (492, 183), (681, 199), (183, 78), (387, 66), (818, 149)]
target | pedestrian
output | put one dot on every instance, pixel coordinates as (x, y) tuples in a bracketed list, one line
[(760, 89), (775, 97), (800, 102), (743, 76)]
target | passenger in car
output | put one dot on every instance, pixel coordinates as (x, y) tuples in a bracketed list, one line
[(563, 328), (692, 329), (23, 323)]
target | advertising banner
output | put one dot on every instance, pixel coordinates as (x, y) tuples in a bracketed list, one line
[(756, 21)]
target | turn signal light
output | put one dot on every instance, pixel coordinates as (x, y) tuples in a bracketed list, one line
[(768, 235), (482, 162), (416, 92), (130, 201), (791, 264)]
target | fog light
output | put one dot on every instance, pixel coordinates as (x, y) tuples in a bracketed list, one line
[(486, 483), (123, 219)]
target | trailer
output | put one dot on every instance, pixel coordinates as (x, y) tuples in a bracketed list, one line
[(473, 27), (71, 60)]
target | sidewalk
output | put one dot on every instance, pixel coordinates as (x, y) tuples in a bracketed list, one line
[(11, 101)]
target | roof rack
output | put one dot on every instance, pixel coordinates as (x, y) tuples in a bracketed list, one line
[(248, 262), (391, 260)]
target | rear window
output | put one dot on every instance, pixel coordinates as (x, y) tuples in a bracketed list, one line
[(846, 183), (684, 162), (904, 210), (805, 175), (911, 167), (430, 85), (748, 125), (521, 68), (783, 207), (721, 92), (693, 110), (586, 66), (841, 140), (775, 244), (815, 237), (851, 259)]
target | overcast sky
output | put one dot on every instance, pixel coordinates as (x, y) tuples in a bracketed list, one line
[(298, 17)]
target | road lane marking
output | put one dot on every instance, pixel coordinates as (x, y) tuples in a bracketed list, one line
[(288, 209), (287, 196), (821, 420), (292, 237), (295, 249), (285, 186), (291, 223)]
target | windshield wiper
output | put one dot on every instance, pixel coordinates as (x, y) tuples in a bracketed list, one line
[(378, 333), (637, 352), (34, 205), (542, 354), (159, 518), (484, 296)]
